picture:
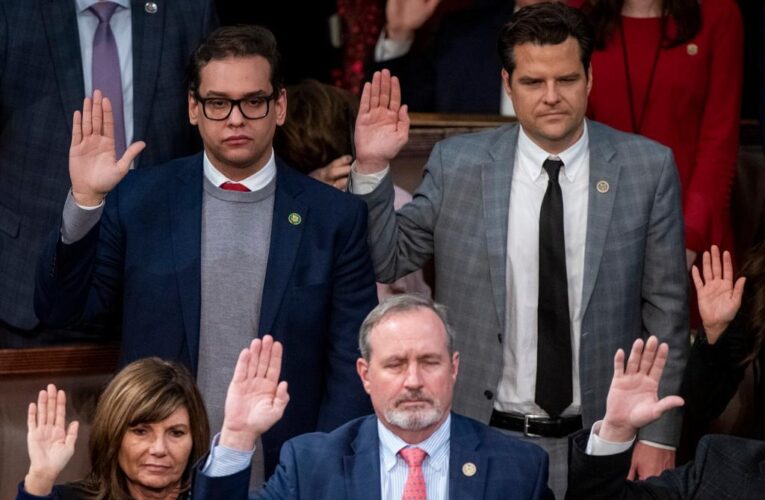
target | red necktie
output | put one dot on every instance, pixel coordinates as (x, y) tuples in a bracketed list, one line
[(234, 186), (414, 489)]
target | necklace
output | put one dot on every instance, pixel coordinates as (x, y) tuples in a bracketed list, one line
[(637, 120)]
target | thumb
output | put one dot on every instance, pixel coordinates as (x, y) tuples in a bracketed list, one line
[(130, 154), (71, 433), (667, 403)]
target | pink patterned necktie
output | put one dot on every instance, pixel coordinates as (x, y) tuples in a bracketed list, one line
[(414, 489), (106, 69)]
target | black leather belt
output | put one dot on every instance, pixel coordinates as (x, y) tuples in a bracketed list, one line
[(533, 426)]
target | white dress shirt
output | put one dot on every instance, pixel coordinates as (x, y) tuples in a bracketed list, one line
[(435, 467), (518, 383), (122, 26), (255, 182)]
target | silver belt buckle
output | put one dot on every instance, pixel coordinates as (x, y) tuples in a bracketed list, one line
[(526, 420)]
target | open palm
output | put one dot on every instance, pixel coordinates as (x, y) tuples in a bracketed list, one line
[(256, 399), (719, 298)]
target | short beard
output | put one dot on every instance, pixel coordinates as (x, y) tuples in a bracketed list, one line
[(414, 419)]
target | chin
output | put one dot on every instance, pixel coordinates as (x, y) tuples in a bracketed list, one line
[(415, 419)]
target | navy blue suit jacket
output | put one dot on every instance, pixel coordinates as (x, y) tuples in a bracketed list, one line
[(460, 71), (345, 464), (41, 85), (142, 261)]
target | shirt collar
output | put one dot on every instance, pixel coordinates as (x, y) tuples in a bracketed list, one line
[(255, 182), (533, 156), (434, 446), (83, 5)]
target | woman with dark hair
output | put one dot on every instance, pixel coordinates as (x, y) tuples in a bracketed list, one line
[(150, 428), (732, 339), (671, 70)]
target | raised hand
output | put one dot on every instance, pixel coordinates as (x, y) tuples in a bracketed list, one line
[(633, 400), (404, 17), (256, 399), (336, 173), (719, 298), (49, 442), (93, 165), (382, 127)]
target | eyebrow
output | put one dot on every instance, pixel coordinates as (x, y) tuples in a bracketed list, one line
[(255, 93)]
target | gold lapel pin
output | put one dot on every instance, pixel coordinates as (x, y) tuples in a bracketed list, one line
[(469, 469), (294, 218), (602, 187), (692, 49), (150, 7)]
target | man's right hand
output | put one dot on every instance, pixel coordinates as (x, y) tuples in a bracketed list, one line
[(382, 126), (633, 400), (93, 166), (404, 17)]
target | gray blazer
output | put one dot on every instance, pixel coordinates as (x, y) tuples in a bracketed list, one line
[(635, 280)]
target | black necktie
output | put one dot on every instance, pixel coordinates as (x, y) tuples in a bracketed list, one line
[(554, 387)]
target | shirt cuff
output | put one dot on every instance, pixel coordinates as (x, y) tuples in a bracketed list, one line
[(77, 220), (365, 183), (598, 446), (223, 461), (658, 445), (387, 49)]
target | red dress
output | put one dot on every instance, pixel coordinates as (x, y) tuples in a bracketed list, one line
[(693, 107)]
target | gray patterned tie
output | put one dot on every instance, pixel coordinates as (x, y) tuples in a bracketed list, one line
[(106, 69)]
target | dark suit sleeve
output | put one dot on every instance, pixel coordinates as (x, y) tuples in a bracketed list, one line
[(233, 487), (714, 373), (83, 280), (664, 292), (282, 484), (605, 477), (353, 295)]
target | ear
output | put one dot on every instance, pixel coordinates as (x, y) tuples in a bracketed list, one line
[(280, 107), (589, 79), (506, 83), (193, 109), (362, 368), (455, 365)]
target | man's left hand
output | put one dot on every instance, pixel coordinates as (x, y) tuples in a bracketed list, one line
[(649, 461)]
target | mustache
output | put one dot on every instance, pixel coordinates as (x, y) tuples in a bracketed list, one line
[(413, 396)]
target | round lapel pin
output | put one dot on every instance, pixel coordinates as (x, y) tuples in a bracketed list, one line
[(692, 49), (294, 218), (150, 7), (469, 469), (602, 187)]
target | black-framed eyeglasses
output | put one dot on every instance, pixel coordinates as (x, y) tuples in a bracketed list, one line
[(252, 108)]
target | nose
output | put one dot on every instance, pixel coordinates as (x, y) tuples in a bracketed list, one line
[(236, 118), (413, 377), (158, 446), (552, 96)]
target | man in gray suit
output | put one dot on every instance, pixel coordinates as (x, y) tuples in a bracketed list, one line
[(586, 264)]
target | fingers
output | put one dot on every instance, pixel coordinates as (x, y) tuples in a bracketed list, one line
[(76, 129), (60, 409), (366, 97), (108, 127), (375, 95), (707, 267), (282, 397), (256, 347), (87, 117), (633, 363), (51, 405), (265, 356), (632, 474), (697, 278), (275, 362), (663, 405), (98, 113), (71, 433), (656, 368), (385, 86), (619, 363), (716, 264), (395, 93), (130, 154), (649, 355), (738, 289), (240, 369), (32, 417), (403, 121)]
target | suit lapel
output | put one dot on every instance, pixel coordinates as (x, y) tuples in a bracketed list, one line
[(148, 31), (496, 176), (468, 469), (285, 241), (186, 230), (362, 468), (599, 206), (60, 20)]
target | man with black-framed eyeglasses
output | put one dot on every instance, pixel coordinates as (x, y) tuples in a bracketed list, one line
[(204, 253)]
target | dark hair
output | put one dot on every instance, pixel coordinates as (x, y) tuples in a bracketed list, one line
[(145, 391), (236, 41), (545, 24), (318, 127), (606, 16), (753, 305)]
